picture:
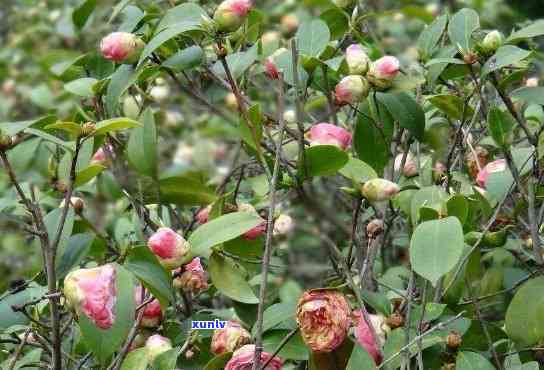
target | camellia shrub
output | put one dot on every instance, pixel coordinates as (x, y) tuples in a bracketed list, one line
[(250, 185)]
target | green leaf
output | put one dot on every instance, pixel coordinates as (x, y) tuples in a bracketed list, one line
[(462, 25), (13, 128), (238, 62), (436, 247), (218, 362), (284, 62), (430, 36), (323, 160), (220, 230), (103, 343), (501, 125), (295, 349), (458, 206), (87, 174), (82, 12), (136, 360), (358, 170), (533, 30), (52, 220), (185, 59), (525, 314), (431, 197), (8, 317), (531, 95), (120, 81), (145, 266), (81, 87), (472, 361), (404, 109), (188, 13), (337, 21), (312, 37), (44, 135), (276, 314), (436, 61), (142, 146), (505, 56), (77, 248), (360, 360), (230, 279), (452, 105), (70, 127), (371, 144), (186, 190), (115, 124), (166, 360)]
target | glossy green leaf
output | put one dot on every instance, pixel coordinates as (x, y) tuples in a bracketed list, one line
[(295, 349), (452, 105), (404, 109), (136, 360), (185, 59), (87, 174), (230, 279), (431, 35), (533, 30), (8, 317), (371, 143), (186, 190), (142, 146), (70, 127), (532, 95), (460, 29), (120, 81), (358, 171), (81, 87), (360, 360), (312, 37), (276, 314), (458, 206), (505, 56), (337, 21), (323, 160), (218, 362), (78, 246), (472, 361), (238, 62), (82, 12), (115, 124), (501, 125), (166, 360)]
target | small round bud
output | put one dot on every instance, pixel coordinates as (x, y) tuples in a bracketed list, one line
[(76, 202), (270, 65), (203, 215), (242, 359), (231, 14), (433, 9), (410, 166), (270, 37), (374, 228), (470, 58), (184, 154), (328, 134), (492, 167), (160, 92), (152, 315), (492, 41), (231, 102), (121, 47), (289, 23), (377, 190), (8, 87), (100, 158), (357, 60), (383, 71), (155, 345), (230, 338), (351, 90), (5, 141), (171, 249), (453, 340)]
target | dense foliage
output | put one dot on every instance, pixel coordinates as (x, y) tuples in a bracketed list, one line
[(337, 184)]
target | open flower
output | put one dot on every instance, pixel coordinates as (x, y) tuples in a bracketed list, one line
[(152, 312), (169, 247), (364, 335), (377, 190), (357, 60), (155, 345), (192, 278), (328, 134), (351, 90), (242, 359), (230, 14), (121, 47), (383, 71), (230, 338), (93, 292), (496, 166), (323, 316)]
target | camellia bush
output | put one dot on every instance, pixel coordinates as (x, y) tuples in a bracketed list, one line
[(271, 185)]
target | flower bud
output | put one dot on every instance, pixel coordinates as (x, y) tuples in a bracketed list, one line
[(270, 37), (351, 90), (357, 60), (283, 225), (532, 82), (231, 14), (433, 9), (139, 341), (203, 215), (289, 23), (323, 316), (100, 158), (328, 134), (453, 340), (383, 71), (492, 167), (93, 292), (242, 359), (270, 66), (169, 247), (343, 3), (257, 230), (184, 154), (88, 128), (192, 278), (374, 228), (121, 47), (152, 315), (410, 166), (364, 336), (377, 190), (155, 345), (76, 202), (160, 92), (492, 41), (476, 160), (230, 338), (231, 102), (5, 141)]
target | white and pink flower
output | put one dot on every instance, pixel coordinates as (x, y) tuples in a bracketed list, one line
[(231, 14), (242, 359), (378, 190), (155, 345), (383, 71), (121, 47), (171, 249), (357, 60), (351, 90)]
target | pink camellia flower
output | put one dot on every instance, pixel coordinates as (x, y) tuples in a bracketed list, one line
[(496, 166), (203, 215), (377, 190), (155, 345), (257, 230), (230, 338), (93, 292), (230, 14), (323, 316), (170, 248), (383, 71), (351, 90), (328, 134), (364, 335), (121, 47), (192, 278), (152, 311), (357, 60), (410, 166), (242, 359)]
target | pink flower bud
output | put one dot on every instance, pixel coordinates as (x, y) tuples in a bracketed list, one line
[(257, 230), (203, 215), (155, 345), (357, 60), (230, 338), (121, 47), (283, 225), (76, 202), (351, 90), (93, 292), (100, 158), (410, 166), (230, 14), (270, 66), (192, 278), (377, 190), (532, 82), (169, 247), (383, 71), (492, 167), (328, 134), (323, 316), (364, 335), (152, 312), (242, 359)]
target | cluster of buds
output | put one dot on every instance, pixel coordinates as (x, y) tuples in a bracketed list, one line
[(76, 202), (88, 128), (230, 338), (378, 190), (92, 292), (152, 315), (121, 47), (231, 14), (483, 175), (155, 345), (242, 359), (191, 277), (357, 60), (410, 167), (171, 249), (371, 342), (328, 134), (323, 316)]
